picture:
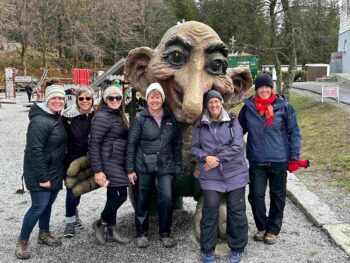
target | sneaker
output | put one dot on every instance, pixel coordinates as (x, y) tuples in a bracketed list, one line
[(208, 257), (22, 249), (235, 257), (270, 238), (46, 238), (142, 242), (70, 229), (168, 242), (259, 236)]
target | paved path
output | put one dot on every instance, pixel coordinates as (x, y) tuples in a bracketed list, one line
[(300, 240), (316, 87)]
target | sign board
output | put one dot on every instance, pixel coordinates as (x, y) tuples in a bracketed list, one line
[(25, 79), (10, 83), (330, 91)]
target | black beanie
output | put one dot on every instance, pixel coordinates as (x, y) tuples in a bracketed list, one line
[(212, 94), (263, 80)]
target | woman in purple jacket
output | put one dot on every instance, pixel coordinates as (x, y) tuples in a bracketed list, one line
[(217, 144)]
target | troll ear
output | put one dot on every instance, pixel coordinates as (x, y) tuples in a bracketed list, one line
[(242, 81), (136, 65)]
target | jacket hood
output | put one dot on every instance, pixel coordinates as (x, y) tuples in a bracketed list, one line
[(73, 111), (40, 108), (224, 117)]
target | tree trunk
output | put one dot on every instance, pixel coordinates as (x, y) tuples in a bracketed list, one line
[(292, 54), (23, 58)]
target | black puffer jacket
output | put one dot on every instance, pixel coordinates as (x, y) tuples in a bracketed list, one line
[(107, 144), (45, 149), (78, 129), (146, 137)]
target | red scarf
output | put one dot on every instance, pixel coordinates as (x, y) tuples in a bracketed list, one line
[(264, 107)]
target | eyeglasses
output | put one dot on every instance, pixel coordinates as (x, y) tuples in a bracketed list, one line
[(84, 98), (117, 98)]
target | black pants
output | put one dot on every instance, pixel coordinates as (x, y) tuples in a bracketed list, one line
[(29, 96), (164, 196), (276, 175), (237, 223), (116, 196)]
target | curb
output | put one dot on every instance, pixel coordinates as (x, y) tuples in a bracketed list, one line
[(319, 213)]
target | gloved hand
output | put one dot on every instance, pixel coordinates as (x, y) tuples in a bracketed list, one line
[(294, 165)]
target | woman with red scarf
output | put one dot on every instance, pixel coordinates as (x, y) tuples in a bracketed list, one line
[(274, 139)]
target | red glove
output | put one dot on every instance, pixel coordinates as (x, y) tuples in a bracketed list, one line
[(293, 165)]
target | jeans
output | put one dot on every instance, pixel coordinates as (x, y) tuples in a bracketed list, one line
[(276, 176), (116, 196), (40, 210), (164, 189), (237, 223), (72, 203)]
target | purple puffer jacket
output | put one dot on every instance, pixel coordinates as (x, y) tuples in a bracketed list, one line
[(232, 173)]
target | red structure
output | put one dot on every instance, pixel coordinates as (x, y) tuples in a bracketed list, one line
[(81, 77)]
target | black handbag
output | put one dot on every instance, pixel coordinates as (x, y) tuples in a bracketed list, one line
[(151, 162)]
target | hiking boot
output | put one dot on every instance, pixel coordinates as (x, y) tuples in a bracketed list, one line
[(235, 257), (78, 222), (168, 242), (113, 235), (270, 238), (46, 238), (142, 242), (70, 230), (208, 257), (259, 236), (99, 228), (22, 249)]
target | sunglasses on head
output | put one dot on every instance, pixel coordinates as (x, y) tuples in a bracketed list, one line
[(84, 98), (117, 98)]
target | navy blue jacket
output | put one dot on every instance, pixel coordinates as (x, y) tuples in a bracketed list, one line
[(277, 143)]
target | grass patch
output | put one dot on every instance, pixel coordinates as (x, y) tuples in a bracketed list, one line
[(325, 129)]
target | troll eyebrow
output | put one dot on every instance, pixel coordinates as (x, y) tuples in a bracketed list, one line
[(176, 40), (217, 47)]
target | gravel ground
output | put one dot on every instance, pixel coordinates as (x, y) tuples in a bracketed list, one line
[(299, 240)]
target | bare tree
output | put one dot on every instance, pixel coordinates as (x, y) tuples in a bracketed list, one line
[(18, 25), (45, 25)]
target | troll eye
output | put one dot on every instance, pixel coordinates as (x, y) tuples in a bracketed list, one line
[(217, 67), (176, 58)]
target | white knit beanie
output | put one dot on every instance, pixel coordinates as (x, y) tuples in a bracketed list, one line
[(155, 86), (112, 90), (54, 91)]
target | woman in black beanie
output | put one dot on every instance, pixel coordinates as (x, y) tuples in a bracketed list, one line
[(273, 140)]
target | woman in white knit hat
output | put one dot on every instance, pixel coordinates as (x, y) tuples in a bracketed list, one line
[(108, 135), (154, 157), (43, 169)]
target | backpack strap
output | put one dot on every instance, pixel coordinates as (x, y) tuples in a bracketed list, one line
[(230, 123)]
